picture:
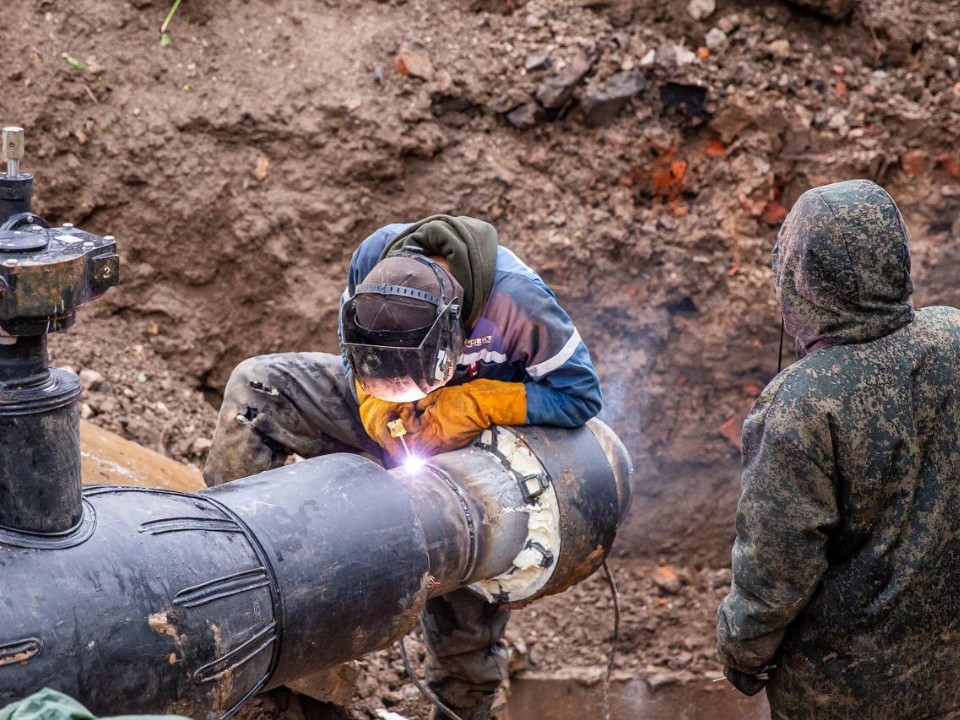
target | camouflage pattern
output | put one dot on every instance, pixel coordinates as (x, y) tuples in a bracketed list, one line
[(842, 266), (276, 405), (468, 661), (304, 403), (848, 529)]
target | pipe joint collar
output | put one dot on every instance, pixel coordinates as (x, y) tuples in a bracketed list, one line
[(535, 564)]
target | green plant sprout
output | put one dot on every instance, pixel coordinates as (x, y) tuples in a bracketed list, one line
[(73, 62), (166, 22)]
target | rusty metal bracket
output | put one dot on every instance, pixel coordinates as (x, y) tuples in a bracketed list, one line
[(547, 557), (532, 486)]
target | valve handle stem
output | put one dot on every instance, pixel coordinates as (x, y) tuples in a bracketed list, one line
[(13, 150)]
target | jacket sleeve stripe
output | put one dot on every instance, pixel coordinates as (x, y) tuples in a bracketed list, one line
[(551, 364), (482, 356)]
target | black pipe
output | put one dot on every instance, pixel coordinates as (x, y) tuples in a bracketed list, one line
[(189, 604), (23, 361), (16, 194), (172, 603), (347, 552), (40, 441), (579, 463)]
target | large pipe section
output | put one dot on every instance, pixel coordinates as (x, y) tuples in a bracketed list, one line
[(169, 602)]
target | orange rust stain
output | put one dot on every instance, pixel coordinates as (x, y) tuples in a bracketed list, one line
[(914, 162), (20, 657), (716, 148), (667, 573), (160, 622), (948, 163), (774, 213), (663, 177)]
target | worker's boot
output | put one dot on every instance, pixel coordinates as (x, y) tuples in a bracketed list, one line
[(498, 711), (467, 666), (477, 713), (495, 709)]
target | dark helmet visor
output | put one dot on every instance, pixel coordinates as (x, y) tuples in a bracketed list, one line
[(403, 374)]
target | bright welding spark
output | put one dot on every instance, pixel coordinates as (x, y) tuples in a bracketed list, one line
[(413, 463)]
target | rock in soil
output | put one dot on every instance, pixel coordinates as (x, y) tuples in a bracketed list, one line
[(603, 105)]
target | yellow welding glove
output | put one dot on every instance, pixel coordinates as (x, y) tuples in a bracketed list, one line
[(453, 417), (376, 413)]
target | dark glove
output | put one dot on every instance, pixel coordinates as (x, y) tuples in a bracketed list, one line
[(746, 683)]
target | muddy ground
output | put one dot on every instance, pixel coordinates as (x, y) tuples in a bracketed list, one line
[(639, 154)]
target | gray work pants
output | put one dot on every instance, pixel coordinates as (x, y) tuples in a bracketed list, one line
[(303, 403)]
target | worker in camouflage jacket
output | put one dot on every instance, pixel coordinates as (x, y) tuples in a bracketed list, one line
[(847, 558), (449, 331)]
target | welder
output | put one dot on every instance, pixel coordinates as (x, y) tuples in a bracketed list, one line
[(443, 333)]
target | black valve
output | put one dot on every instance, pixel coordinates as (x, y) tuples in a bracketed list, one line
[(46, 274)]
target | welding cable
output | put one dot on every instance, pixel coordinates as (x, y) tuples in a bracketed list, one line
[(424, 690), (615, 594)]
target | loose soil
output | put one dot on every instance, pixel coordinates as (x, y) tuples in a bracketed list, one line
[(240, 164)]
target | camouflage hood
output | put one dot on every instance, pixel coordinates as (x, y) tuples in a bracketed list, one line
[(842, 266)]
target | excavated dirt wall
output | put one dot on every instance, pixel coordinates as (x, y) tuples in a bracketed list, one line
[(640, 158)]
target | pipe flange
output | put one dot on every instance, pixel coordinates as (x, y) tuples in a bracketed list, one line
[(533, 567), (80, 533)]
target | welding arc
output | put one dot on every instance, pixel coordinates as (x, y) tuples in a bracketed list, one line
[(615, 594), (424, 690)]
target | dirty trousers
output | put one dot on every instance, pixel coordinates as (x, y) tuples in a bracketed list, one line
[(303, 403)]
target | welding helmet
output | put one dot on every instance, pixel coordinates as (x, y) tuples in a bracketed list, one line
[(401, 328)]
